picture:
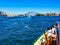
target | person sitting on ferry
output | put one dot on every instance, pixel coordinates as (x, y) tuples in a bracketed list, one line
[(48, 36), (53, 42), (54, 36), (53, 29), (49, 32)]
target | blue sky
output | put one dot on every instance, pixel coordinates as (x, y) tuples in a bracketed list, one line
[(24, 6)]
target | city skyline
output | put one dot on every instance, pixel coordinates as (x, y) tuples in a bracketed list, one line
[(24, 6)]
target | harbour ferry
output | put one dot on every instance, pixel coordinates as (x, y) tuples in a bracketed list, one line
[(43, 40)]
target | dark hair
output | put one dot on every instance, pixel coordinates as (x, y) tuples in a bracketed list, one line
[(48, 28), (56, 24), (51, 27)]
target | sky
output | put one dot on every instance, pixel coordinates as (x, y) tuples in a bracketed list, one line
[(24, 6)]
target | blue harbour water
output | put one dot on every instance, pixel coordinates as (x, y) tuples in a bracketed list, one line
[(23, 30)]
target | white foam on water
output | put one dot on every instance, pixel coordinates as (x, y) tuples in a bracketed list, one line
[(26, 26)]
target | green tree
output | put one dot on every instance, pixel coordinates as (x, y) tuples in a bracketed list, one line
[(39, 14)]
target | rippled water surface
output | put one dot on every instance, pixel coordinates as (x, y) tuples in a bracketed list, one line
[(23, 30)]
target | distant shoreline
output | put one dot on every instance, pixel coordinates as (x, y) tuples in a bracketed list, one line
[(29, 14)]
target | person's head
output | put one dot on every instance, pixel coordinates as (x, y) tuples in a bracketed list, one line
[(48, 28), (56, 24), (51, 27)]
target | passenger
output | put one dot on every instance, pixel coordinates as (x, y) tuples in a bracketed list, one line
[(48, 36), (54, 37), (49, 32), (53, 29), (54, 42)]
